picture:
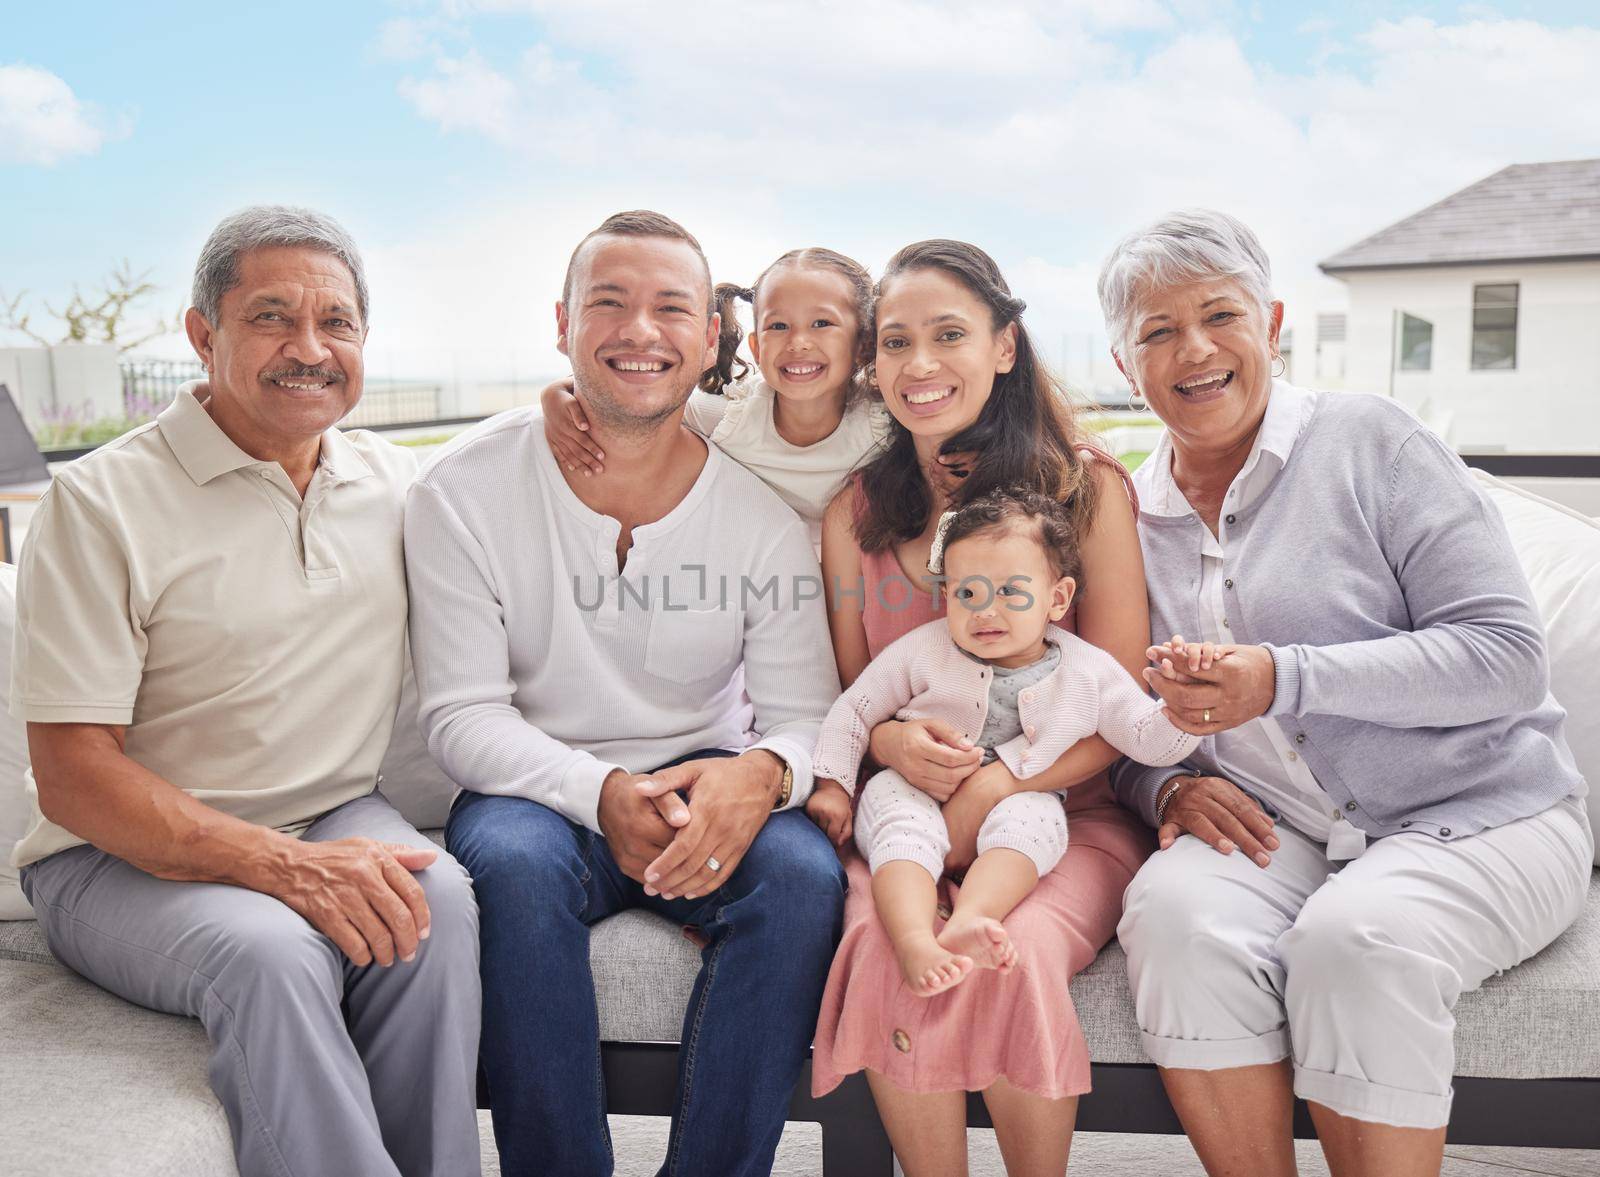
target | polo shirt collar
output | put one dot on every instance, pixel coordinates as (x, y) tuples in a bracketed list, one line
[(1288, 409), (205, 452)]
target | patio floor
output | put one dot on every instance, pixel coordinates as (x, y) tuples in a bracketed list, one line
[(641, 1141)]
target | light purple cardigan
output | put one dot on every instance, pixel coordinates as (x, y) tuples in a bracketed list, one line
[(1411, 668), (925, 675)]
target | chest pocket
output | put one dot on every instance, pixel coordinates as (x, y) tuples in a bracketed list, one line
[(693, 644)]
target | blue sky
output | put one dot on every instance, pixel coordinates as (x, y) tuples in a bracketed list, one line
[(467, 143)]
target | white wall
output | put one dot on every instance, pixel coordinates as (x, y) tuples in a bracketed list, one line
[(1549, 403), (83, 377)]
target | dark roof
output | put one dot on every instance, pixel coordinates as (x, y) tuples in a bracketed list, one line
[(1526, 212)]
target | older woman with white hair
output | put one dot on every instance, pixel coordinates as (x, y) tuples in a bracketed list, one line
[(1384, 811)]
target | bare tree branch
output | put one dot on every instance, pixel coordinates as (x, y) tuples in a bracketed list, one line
[(105, 321)]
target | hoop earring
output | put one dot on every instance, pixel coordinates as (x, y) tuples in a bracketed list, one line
[(1136, 398), (1284, 365)]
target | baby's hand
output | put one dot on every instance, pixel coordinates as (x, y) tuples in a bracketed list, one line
[(567, 429), (1177, 656), (829, 807)]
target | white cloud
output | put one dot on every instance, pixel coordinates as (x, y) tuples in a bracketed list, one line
[(1007, 122), (466, 93), (41, 120)]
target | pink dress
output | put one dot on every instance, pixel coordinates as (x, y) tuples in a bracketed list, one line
[(1021, 1027)]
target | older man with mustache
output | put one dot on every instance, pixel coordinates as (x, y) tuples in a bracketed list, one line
[(210, 643)]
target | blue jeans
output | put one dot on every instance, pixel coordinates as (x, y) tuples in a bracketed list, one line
[(542, 882)]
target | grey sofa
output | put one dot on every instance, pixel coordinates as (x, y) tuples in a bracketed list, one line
[(92, 1085)]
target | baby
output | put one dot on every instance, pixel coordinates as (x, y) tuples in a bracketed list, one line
[(1023, 689)]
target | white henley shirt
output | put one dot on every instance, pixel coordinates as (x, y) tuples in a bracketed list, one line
[(541, 670)]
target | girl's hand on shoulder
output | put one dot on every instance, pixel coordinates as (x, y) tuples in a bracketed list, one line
[(932, 756), (567, 429), (829, 807), (1220, 814)]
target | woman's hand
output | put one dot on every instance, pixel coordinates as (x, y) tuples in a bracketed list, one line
[(829, 807), (567, 429), (1210, 689), (1220, 814), (965, 812), (932, 756)]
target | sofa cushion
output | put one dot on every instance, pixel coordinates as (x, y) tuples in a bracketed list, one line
[(1539, 1020), (408, 776), (1559, 550), (100, 1087)]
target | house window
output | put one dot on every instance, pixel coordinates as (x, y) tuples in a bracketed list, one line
[(1416, 343), (1494, 326)]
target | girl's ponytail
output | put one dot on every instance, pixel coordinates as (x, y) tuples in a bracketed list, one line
[(716, 379)]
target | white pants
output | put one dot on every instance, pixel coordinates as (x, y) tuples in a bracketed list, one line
[(896, 821), (1352, 968)]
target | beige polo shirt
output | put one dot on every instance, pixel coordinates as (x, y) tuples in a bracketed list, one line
[(251, 642)]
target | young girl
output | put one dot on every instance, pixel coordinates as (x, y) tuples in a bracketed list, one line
[(807, 422), (997, 670)]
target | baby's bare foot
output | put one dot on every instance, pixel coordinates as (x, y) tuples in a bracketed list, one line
[(928, 967), (983, 939)]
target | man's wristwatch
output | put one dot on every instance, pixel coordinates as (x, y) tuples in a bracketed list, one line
[(787, 789)]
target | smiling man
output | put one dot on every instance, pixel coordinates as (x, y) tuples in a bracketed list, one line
[(210, 642), (627, 673)]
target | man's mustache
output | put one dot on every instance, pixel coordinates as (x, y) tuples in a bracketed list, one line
[(326, 375)]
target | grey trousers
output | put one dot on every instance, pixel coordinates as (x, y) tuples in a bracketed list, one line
[(321, 1066)]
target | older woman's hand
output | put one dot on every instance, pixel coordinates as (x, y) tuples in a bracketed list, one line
[(1220, 814), (1210, 689)]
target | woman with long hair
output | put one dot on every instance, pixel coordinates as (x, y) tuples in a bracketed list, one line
[(975, 410)]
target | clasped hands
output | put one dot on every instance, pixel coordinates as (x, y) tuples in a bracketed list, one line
[(1209, 688), (669, 844)]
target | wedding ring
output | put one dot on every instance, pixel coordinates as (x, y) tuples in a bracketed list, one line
[(713, 865), (1206, 715)]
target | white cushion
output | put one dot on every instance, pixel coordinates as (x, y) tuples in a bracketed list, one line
[(1559, 549), (14, 808), (408, 776)]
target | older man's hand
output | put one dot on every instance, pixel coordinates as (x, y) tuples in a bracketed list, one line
[(730, 799), (1211, 689), (637, 825), (359, 894), (1220, 814)]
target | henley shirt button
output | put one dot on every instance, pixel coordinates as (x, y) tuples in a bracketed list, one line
[(1230, 518), (1229, 583), (1349, 806), (1294, 756), (1405, 825), (902, 1042), (1300, 738), (1445, 832), (1225, 624)]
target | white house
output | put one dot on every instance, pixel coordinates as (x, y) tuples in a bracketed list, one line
[(1482, 312)]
